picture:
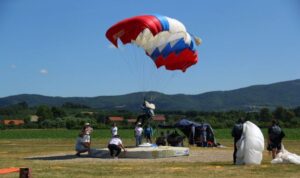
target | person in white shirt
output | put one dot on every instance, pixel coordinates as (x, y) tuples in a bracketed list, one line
[(114, 129), (138, 134), (115, 144), (83, 143)]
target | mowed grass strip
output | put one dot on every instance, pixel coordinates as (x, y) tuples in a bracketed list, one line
[(291, 133)]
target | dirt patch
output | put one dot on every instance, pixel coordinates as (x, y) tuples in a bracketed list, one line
[(196, 155)]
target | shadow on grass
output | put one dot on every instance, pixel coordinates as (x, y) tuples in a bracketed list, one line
[(65, 157)]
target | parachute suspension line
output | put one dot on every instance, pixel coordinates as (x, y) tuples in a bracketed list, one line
[(162, 82), (139, 68), (135, 64), (127, 61)]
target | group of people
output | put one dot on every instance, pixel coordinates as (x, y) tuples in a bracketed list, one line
[(202, 138), (275, 136), (115, 145), (83, 142), (139, 132)]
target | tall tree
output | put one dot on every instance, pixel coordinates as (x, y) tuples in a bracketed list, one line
[(44, 112), (265, 115)]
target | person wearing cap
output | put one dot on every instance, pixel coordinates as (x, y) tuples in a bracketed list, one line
[(83, 143), (138, 133), (115, 145), (87, 128)]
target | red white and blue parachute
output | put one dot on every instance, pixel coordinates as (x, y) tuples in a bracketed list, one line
[(164, 39)]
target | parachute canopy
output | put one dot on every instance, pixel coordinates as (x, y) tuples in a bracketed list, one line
[(164, 39), (251, 145)]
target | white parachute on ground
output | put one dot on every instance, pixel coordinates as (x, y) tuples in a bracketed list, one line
[(251, 145), (286, 157), (145, 151)]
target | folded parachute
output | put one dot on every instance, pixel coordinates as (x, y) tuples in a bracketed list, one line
[(164, 39), (251, 145)]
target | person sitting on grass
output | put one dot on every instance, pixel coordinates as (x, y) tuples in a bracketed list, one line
[(161, 141), (83, 143), (115, 145)]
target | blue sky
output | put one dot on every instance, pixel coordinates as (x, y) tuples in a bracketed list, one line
[(59, 48)]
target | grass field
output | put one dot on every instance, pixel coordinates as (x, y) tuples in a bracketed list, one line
[(291, 134), (17, 145)]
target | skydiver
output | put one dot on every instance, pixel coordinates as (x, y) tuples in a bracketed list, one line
[(148, 112)]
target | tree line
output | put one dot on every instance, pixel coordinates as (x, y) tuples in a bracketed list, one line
[(73, 116)]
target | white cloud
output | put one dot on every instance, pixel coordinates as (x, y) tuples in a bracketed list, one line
[(44, 71)]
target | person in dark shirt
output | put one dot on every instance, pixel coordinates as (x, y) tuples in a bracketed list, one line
[(161, 141), (275, 136), (148, 112), (236, 133), (148, 133)]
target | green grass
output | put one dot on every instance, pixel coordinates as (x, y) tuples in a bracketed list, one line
[(18, 144), (14, 151), (291, 134)]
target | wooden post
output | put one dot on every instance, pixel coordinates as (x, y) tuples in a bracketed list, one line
[(25, 173)]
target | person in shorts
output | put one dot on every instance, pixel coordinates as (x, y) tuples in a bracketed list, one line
[(275, 135), (115, 146), (83, 143)]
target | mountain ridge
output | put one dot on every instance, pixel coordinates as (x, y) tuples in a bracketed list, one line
[(247, 98)]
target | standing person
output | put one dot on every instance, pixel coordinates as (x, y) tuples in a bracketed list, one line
[(114, 129), (203, 135), (138, 132), (148, 133), (236, 133), (275, 135), (192, 135), (115, 145), (83, 143)]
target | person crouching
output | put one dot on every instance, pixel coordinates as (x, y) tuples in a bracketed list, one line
[(115, 145), (83, 143)]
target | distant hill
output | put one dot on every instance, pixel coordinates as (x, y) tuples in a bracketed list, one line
[(286, 94)]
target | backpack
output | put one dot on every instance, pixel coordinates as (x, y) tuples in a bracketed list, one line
[(237, 130), (276, 132)]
